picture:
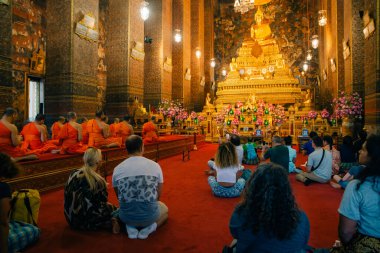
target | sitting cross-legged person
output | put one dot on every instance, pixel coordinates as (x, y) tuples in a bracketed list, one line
[(228, 182), (35, 137), (138, 182), (250, 155), (56, 128), (98, 132), (278, 153), (10, 140), (319, 165), (125, 129), (115, 127), (268, 218), (149, 131), (70, 136), (85, 196), (359, 223), (83, 123)]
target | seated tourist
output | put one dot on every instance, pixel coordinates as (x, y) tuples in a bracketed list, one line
[(359, 223), (328, 145), (307, 148), (358, 143), (150, 131), (347, 154), (278, 153), (10, 240), (56, 128), (115, 127), (85, 195), (292, 155), (83, 123), (342, 182), (250, 155), (319, 165), (235, 139), (10, 140), (70, 136), (98, 132), (227, 182), (268, 219), (138, 182), (126, 129), (35, 136)]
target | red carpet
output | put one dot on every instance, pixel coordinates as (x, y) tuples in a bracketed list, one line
[(198, 222)]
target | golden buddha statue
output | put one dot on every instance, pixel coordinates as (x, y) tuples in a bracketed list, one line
[(261, 30), (259, 69)]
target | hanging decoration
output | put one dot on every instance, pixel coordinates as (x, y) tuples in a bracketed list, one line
[(322, 17)]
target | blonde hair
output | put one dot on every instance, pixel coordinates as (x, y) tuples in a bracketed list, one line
[(226, 156), (91, 159)]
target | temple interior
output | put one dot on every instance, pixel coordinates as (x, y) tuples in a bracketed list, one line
[(200, 70)]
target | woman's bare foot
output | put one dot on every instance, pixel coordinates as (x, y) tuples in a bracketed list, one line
[(337, 178), (335, 185)]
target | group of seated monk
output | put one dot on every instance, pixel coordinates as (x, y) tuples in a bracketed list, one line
[(67, 138)]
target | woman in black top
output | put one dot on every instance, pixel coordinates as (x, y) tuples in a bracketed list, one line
[(8, 169)]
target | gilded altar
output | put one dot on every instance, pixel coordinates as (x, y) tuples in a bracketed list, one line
[(259, 69)]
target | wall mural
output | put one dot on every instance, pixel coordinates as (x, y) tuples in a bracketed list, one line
[(289, 24), (28, 36), (102, 67)]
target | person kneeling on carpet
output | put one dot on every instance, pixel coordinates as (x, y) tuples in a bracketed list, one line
[(138, 182), (268, 218), (228, 182), (85, 196)]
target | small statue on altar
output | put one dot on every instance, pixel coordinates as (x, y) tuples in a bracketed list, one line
[(208, 100), (233, 65), (307, 97)]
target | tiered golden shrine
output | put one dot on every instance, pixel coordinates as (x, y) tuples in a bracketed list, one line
[(260, 70)]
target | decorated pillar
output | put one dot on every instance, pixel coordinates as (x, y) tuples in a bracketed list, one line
[(371, 18), (5, 56), (197, 63), (209, 47), (125, 56), (72, 58), (158, 61), (182, 52)]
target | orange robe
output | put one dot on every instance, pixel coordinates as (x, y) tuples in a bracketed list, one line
[(6, 145), (96, 138), (55, 129), (84, 133), (149, 132), (124, 131), (32, 140), (70, 143), (114, 129)]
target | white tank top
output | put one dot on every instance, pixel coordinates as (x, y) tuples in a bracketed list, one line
[(226, 175)]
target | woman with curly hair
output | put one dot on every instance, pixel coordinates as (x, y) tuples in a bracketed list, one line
[(268, 218), (359, 223)]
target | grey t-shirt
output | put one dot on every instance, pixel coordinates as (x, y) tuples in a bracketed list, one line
[(136, 180), (325, 168)]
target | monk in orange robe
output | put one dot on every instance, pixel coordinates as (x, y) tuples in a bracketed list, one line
[(126, 129), (98, 132), (56, 128), (115, 127), (84, 130), (35, 136), (149, 131), (71, 135), (10, 140)]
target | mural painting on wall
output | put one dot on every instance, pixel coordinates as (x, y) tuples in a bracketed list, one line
[(289, 24), (28, 45), (102, 67)]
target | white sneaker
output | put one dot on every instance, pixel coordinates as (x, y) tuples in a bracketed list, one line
[(145, 232), (132, 232)]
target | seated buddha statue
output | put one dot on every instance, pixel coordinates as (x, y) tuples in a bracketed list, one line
[(261, 30)]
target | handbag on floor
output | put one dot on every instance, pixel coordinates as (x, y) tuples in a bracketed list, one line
[(21, 235), (25, 206)]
